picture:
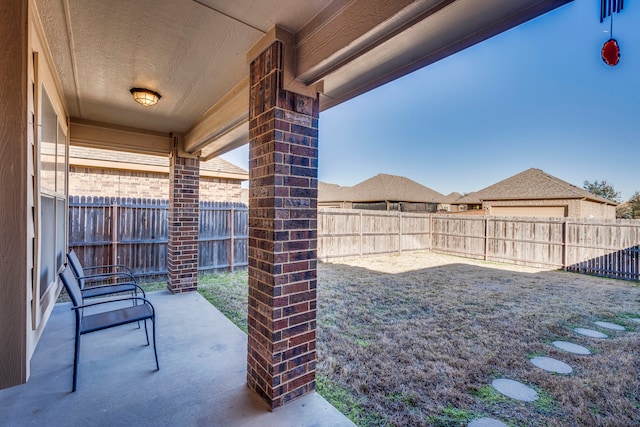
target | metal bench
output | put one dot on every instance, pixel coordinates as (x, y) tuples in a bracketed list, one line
[(119, 273), (85, 324)]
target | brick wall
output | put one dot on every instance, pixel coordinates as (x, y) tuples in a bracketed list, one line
[(283, 155), (84, 181), (220, 189), (184, 215)]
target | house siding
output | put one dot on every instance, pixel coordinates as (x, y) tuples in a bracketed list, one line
[(597, 210), (575, 208), (15, 222)]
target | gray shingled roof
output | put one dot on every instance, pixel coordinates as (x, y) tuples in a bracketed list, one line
[(452, 197), (468, 199), (531, 184), (333, 193), (378, 188), (216, 164)]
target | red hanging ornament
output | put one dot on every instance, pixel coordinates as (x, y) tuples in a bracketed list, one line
[(611, 52)]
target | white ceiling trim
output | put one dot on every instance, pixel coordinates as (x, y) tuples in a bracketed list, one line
[(208, 6), (72, 53)]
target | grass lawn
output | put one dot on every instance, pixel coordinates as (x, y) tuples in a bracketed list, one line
[(416, 339)]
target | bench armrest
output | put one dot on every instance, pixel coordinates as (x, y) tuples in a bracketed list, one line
[(138, 288), (108, 301)]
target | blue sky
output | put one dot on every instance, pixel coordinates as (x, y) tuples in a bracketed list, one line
[(535, 96)]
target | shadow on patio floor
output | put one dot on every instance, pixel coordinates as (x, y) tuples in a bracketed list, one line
[(201, 382)]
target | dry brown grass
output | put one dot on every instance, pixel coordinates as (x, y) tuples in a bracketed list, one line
[(416, 339)]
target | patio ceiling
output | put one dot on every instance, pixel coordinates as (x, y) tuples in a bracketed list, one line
[(194, 53)]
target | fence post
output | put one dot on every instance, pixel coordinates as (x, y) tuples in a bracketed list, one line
[(486, 238), (564, 245), (430, 232), (114, 232), (231, 238), (399, 232), (361, 238)]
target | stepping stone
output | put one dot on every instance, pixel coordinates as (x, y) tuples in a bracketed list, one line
[(590, 333), (515, 390), (612, 326), (635, 319), (571, 347), (552, 365), (486, 422)]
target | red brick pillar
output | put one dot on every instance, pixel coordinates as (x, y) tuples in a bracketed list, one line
[(283, 165), (184, 215)]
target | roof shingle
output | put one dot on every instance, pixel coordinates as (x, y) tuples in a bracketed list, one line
[(531, 184), (378, 188)]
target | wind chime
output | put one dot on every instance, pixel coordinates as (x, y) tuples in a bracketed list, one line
[(610, 50)]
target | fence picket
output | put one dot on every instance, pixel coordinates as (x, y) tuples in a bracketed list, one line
[(134, 232)]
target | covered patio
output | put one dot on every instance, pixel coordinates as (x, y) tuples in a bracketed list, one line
[(201, 381), (228, 73)]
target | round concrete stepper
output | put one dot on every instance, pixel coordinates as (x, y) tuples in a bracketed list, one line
[(612, 326), (515, 390), (590, 333), (571, 347), (486, 422), (552, 365)]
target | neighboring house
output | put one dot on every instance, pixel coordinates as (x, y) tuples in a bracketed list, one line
[(534, 193), (96, 172), (382, 192), (333, 196), (450, 198), (470, 204)]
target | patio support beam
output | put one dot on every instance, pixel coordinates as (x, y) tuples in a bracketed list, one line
[(184, 217), (283, 153), (91, 134), (218, 128), (15, 237)]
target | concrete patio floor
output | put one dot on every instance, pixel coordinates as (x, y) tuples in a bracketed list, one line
[(201, 381)]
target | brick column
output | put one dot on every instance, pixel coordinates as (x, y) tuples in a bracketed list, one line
[(184, 215), (283, 164)]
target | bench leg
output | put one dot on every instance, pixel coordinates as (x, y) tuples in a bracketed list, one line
[(145, 331), (76, 361), (155, 351)]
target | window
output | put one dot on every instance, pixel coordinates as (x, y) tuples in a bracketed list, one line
[(52, 215)]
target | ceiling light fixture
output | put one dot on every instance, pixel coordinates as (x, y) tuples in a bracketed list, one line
[(145, 97)]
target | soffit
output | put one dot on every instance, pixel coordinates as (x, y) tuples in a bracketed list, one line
[(443, 32), (193, 52)]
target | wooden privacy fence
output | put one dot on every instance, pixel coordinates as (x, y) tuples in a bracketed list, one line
[(108, 230), (350, 232), (105, 230), (604, 248)]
